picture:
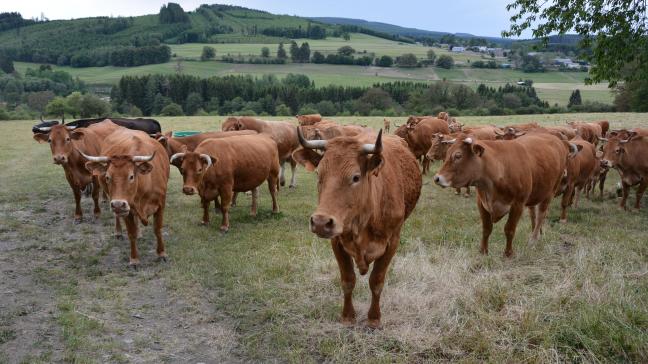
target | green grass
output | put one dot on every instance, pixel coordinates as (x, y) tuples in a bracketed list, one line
[(579, 295)]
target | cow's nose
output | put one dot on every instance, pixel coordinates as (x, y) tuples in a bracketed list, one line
[(188, 190), (436, 179), (59, 158), (323, 225), (119, 205)]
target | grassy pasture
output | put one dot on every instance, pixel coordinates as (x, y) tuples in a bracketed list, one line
[(268, 290)]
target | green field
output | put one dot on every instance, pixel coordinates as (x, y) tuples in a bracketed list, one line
[(555, 87), (268, 290)]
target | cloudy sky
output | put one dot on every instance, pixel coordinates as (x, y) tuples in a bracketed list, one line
[(479, 17)]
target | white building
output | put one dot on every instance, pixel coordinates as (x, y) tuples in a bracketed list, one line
[(458, 49)]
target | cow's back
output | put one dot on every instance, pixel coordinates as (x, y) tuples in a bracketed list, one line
[(401, 175), (547, 159)]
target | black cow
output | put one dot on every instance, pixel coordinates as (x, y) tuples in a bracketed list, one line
[(150, 126)]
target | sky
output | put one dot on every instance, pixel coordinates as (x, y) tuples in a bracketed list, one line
[(478, 17)]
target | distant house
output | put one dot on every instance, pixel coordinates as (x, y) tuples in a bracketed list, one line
[(444, 45), (506, 65), (564, 61), (497, 52), (458, 49), (482, 49), (567, 63), (533, 54)]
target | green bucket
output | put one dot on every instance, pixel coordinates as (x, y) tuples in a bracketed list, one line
[(178, 134)]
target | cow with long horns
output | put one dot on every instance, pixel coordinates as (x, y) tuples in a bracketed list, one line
[(509, 176), (368, 186), (134, 169)]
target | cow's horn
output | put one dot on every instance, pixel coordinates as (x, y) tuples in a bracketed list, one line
[(207, 159), (468, 141), (310, 144), (624, 141), (602, 139), (100, 159), (45, 128), (41, 117), (498, 131), (451, 141), (176, 156), (70, 127), (574, 148), (375, 148), (143, 158)]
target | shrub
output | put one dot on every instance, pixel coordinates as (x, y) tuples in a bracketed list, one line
[(172, 109)]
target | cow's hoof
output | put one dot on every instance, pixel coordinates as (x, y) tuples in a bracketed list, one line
[(348, 321), (456, 193), (508, 254), (134, 264), (163, 258), (253, 214), (203, 223), (562, 221), (224, 229), (119, 236), (532, 241), (373, 324), (292, 186), (78, 220), (466, 195)]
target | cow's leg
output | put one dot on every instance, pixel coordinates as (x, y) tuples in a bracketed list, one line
[(576, 196), (626, 190), (95, 198), (532, 215), (377, 280), (118, 228), (640, 191), (565, 202), (226, 198), (205, 205), (487, 227), (602, 182), (511, 224), (293, 168), (457, 191), (157, 229), (233, 203), (216, 205), (255, 197), (348, 280), (543, 207), (282, 170), (272, 186), (426, 165), (131, 228), (467, 194), (78, 214)]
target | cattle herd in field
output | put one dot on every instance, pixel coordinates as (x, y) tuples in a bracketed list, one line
[(368, 182)]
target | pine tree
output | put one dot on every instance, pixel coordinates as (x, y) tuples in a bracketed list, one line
[(575, 98), (281, 52)]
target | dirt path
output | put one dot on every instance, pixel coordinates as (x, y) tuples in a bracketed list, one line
[(67, 295)]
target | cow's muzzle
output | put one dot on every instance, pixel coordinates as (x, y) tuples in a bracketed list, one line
[(324, 226), (441, 181), (606, 163), (188, 190), (120, 207), (59, 159)]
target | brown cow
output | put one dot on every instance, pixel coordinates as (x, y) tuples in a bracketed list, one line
[(419, 138), (282, 132), (220, 167), (386, 125), (629, 157), (444, 116), (310, 119), (328, 130), (135, 171), (588, 131), (65, 142), (366, 189), (580, 170), (509, 175)]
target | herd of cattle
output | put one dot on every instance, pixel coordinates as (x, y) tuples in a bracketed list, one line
[(368, 182)]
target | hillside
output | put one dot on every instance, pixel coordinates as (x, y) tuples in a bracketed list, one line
[(90, 41), (404, 31)]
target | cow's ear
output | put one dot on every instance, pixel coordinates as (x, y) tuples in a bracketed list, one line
[(77, 135), (41, 138), (239, 125), (163, 140), (96, 168), (478, 149), (144, 168), (375, 163), (599, 154), (307, 158)]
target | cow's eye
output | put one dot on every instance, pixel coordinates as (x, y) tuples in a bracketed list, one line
[(131, 177), (49, 141), (67, 140), (457, 156), (355, 178), (199, 170), (107, 178)]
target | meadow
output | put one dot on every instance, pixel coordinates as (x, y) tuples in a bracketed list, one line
[(269, 289)]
